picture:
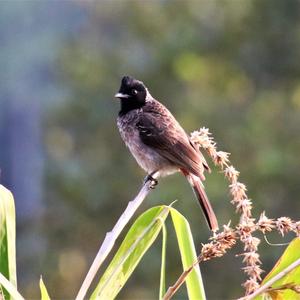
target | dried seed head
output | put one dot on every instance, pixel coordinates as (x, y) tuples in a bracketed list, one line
[(296, 228), (284, 225), (210, 251), (212, 151), (265, 224), (225, 239), (202, 141), (251, 258), (250, 285), (238, 191), (221, 158), (231, 174), (202, 138), (204, 131), (253, 271), (221, 242), (246, 226), (250, 243), (244, 207)]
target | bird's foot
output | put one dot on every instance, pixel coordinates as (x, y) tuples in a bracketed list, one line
[(153, 181)]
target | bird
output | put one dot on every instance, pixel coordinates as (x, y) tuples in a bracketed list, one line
[(158, 142)]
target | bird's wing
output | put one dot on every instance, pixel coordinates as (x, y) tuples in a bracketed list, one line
[(158, 129)]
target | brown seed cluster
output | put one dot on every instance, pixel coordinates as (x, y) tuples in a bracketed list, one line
[(220, 243), (243, 206), (265, 224), (243, 231), (282, 224), (247, 225), (296, 228)]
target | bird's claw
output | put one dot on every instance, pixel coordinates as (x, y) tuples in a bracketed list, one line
[(153, 181)]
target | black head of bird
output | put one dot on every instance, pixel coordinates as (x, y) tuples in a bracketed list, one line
[(132, 94)]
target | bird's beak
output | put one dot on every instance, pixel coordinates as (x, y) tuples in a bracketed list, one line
[(121, 96)]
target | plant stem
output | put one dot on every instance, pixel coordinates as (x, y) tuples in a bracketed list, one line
[(264, 287), (112, 236), (10, 288), (180, 281)]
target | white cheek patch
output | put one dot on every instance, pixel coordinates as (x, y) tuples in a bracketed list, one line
[(148, 96)]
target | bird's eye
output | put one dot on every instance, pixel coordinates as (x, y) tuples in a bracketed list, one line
[(134, 92)]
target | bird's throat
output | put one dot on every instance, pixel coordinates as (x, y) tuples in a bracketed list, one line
[(128, 105)]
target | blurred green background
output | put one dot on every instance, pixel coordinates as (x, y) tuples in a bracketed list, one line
[(230, 65)]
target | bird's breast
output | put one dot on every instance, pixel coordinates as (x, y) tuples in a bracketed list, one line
[(146, 157)]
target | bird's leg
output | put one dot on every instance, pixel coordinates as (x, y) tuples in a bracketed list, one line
[(151, 177)]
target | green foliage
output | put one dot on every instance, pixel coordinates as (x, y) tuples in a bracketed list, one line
[(7, 237), (290, 255), (162, 285), (137, 241), (188, 255), (140, 237)]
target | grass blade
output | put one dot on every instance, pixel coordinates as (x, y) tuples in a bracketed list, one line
[(290, 255), (43, 289), (7, 237), (162, 286), (194, 283), (139, 238)]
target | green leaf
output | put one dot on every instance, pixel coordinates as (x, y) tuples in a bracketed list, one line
[(43, 289), (290, 255), (7, 237), (194, 283), (139, 238), (162, 286)]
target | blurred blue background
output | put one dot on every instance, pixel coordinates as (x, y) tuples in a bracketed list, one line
[(232, 66)]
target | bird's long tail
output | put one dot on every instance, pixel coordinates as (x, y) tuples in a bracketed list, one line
[(207, 209)]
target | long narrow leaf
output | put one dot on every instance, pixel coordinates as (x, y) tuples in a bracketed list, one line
[(7, 237), (290, 255), (140, 237), (194, 283), (162, 286), (43, 289)]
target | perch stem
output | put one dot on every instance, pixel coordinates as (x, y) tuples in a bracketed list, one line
[(174, 288), (112, 236)]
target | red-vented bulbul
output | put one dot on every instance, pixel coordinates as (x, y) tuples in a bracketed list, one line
[(158, 143)]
